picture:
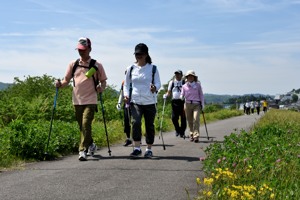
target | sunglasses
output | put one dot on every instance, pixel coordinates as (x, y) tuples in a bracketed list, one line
[(140, 54)]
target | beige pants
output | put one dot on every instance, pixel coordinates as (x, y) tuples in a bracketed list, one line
[(84, 116), (192, 112)]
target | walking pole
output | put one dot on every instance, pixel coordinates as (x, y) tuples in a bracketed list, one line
[(103, 113), (120, 102), (161, 121), (205, 124), (53, 110)]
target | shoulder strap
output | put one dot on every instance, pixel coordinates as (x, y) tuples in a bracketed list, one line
[(74, 69), (130, 84), (92, 64), (172, 86), (182, 83), (153, 72)]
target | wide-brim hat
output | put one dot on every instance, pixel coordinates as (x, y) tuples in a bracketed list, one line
[(190, 73)]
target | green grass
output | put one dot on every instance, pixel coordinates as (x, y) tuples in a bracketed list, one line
[(24, 141), (260, 164)]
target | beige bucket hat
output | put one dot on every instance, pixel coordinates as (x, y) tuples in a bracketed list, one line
[(190, 72)]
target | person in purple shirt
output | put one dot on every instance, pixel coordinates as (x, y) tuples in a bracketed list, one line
[(194, 103)]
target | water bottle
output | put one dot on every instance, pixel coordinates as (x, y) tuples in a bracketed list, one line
[(91, 72)]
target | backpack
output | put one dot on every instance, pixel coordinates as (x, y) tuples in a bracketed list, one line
[(92, 64), (178, 87), (130, 86)]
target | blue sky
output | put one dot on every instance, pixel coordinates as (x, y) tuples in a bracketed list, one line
[(234, 46)]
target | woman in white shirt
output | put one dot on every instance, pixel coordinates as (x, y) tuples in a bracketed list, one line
[(140, 87)]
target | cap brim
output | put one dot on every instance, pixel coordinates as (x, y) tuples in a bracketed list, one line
[(81, 47), (190, 75)]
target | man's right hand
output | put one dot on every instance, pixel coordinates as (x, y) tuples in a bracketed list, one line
[(165, 96), (58, 83)]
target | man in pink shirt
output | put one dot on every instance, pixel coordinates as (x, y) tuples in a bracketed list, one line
[(87, 82)]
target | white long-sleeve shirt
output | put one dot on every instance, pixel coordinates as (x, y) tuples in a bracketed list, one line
[(141, 79)]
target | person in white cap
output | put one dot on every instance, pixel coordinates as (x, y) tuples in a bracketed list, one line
[(194, 103), (84, 95), (174, 89)]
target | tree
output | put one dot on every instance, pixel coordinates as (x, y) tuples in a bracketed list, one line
[(295, 97)]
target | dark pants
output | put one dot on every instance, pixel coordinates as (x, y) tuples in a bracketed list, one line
[(137, 112), (258, 110), (127, 127), (178, 111), (84, 115), (248, 110)]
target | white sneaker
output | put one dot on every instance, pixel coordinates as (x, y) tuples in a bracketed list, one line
[(92, 149), (82, 156)]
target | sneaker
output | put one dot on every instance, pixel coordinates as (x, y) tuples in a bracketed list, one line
[(176, 134), (92, 149), (136, 153), (82, 156), (127, 142), (196, 140), (148, 154)]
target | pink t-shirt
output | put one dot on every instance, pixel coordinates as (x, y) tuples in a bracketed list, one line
[(84, 91)]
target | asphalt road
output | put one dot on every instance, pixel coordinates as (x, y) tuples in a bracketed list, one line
[(167, 176)]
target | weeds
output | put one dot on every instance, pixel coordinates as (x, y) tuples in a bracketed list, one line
[(260, 164)]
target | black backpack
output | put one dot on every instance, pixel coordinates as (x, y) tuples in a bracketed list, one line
[(92, 64), (178, 87)]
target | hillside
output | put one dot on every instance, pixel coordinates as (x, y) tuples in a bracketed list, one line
[(215, 98), (4, 85)]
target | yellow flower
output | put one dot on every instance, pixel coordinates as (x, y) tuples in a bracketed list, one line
[(234, 194), (272, 196), (208, 181), (198, 181), (248, 170), (207, 193)]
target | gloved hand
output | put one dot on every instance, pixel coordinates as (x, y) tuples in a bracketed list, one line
[(165, 96), (181, 97), (118, 107)]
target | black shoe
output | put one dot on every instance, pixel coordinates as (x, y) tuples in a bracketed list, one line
[(136, 153), (176, 134), (148, 154), (127, 143)]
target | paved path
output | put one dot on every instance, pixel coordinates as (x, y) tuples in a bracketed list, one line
[(117, 177)]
